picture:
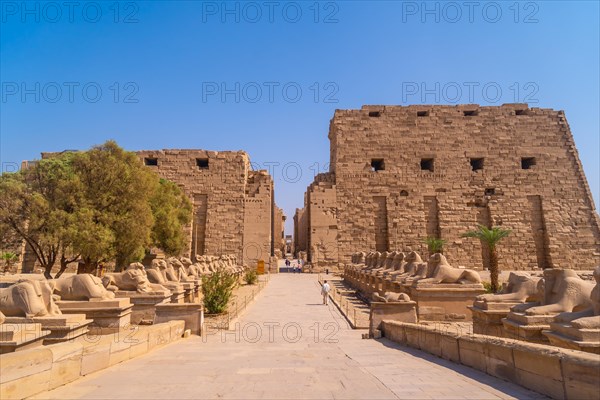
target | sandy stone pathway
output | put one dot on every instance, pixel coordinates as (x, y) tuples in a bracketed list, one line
[(288, 346)]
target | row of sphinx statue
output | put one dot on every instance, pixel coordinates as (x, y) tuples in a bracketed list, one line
[(397, 266), (560, 292), (556, 304), (36, 297)]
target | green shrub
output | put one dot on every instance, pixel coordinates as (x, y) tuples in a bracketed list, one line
[(217, 289), (487, 286), (251, 277)]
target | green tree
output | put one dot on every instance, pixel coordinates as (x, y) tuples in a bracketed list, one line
[(94, 206), (490, 237), (172, 211), (37, 204), (117, 189), (435, 245)]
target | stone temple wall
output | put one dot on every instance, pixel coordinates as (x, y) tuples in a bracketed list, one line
[(279, 232), (300, 230), (232, 203), (233, 206), (401, 174), (322, 220), (258, 214)]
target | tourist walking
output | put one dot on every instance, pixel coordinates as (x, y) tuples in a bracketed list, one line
[(325, 292), (287, 265)]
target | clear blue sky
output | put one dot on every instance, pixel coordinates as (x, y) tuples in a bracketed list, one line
[(161, 68)]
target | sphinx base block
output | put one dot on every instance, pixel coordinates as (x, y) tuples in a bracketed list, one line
[(444, 302), (527, 327), (488, 316), (188, 291), (62, 328), (144, 305), (566, 336), (191, 313), (403, 311), (177, 297), (111, 313), (16, 337)]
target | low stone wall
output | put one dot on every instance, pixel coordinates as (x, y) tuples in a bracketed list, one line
[(555, 372), (28, 372), (405, 311)]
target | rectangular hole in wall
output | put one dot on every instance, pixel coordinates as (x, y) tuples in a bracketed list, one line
[(476, 164), (527, 162), (427, 164), (490, 191), (374, 114), (377, 164), (470, 113), (150, 161), (422, 113), (521, 112), (202, 163)]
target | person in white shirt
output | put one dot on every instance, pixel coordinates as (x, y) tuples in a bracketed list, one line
[(325, 292)]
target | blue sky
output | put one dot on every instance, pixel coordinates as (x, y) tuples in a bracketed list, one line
[(266, 77)]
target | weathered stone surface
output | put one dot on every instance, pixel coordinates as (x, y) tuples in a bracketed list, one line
[(21, 336), (95, 357), (144, 304), (32, 371), (22, 364), (61, 328), (444, 301), (399, 174), (112, 313), (66, 363), (233, 206), (404, 311), (580, 374), (190, 313), (555, 372)]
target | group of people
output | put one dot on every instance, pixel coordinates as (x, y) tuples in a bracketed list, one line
[(296, 265)]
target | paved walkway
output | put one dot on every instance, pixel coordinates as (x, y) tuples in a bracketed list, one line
[(288, 346)]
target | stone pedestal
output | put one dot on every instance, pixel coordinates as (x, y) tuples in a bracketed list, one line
[(444, 301), (15, 337), (196, 294), (405, 311), (177, 295), (487, 317), (394, 286), (518, 325), (144, 304), (61, 328), (111, 313), (566, 336), (191, 313), (189, 289), (382, 283)]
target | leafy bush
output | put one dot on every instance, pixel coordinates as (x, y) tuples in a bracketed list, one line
[(217, 289), (251, 277), (487, 286)]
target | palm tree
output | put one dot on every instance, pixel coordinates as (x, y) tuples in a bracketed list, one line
[(435, 245), (491, 237)]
